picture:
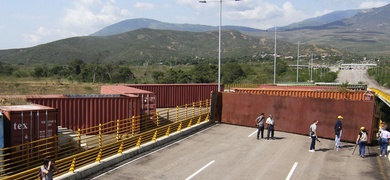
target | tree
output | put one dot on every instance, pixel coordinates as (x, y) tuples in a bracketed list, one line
[(122, 75), (204, 73), (41, 71), (75, 66), (157, 76), (110, 69), (231, 73), (178, 76)]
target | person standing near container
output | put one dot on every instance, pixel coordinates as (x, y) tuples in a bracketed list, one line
[(362, 141), (384, 138), (338, 129), (270, 128), (260, 125), (313, 135)]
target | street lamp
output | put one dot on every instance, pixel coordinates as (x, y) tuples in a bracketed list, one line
[(311, 68), (219, 41), (275, 59), (298, 62)]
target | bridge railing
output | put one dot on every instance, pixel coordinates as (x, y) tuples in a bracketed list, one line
[(381, 94), (74, 150)]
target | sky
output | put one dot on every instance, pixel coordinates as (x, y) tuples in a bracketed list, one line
[(27, 23)]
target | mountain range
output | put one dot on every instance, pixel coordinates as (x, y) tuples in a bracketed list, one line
[(137, 40)]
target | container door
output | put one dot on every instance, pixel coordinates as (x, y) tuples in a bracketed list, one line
[(46, 124)]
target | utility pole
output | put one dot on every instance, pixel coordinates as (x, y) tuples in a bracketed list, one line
[(298, 63), (275, 59)]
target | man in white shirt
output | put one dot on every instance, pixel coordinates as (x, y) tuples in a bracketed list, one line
[(313, 135), (270, 129), (384, 141)]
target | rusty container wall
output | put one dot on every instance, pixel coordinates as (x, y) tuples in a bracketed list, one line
[(148, 105), (84, 111), (172, 95), (356, 96), (24, 123), (296, 114)]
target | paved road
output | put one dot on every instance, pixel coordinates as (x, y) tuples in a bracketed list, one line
[(232, 152), (355, 76)]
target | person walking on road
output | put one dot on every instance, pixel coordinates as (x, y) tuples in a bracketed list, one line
[(338, 129), (313, 135), (384, 142), (270, 126), (260, 126), (361, 140)]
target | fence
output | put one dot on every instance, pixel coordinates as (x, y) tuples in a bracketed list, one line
[(73, 150), (232, 86)]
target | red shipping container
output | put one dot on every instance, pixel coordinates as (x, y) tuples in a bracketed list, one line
[(172, 95), (90, 110), (24, 123), (148, 98)]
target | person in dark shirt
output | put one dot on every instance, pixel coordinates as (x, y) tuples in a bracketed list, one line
[(338, 129), (260, 125), (361, 140)]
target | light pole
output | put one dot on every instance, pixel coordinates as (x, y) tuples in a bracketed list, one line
[(298, 63), (275, 59), (311, 68), (219, 41)]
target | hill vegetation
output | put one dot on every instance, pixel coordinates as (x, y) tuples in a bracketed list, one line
[(155, 46), (149, 51)]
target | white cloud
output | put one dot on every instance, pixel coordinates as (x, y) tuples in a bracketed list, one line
[(89, 14), (372, 4), (323, 12), (141, 5), (84, 18), (188, 2), (261, 14)]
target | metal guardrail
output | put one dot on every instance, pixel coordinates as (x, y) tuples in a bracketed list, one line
[(227, 87), (382, 95), (74, 150)]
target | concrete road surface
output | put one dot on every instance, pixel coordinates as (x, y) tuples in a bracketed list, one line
[(232, 152), (354, 76)]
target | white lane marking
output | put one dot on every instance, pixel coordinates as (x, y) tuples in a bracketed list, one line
[(292, 171), (201, 169), (148, 154), (252, 133)]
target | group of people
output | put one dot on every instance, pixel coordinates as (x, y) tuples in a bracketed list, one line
[(361, 139), (338, 129), (260, 126)]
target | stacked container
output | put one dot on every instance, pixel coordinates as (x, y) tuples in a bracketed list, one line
[(26, 123)]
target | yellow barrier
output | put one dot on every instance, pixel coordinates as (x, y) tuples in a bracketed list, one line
[(381, 93), (91, 145)]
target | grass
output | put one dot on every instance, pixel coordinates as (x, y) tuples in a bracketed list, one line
[(32, 86), (42, 86)]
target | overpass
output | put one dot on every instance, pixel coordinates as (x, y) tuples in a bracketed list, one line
[(381, 95), (357, 66)]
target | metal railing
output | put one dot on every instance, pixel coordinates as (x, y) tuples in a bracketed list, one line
[(227, 87), (72, 150), (382, 95)]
